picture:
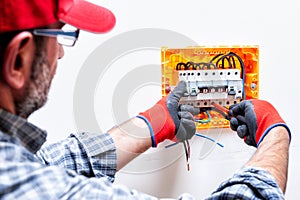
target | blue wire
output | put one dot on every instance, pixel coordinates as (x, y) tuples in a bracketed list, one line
[(199, 135), (170, 145), (209, 138)]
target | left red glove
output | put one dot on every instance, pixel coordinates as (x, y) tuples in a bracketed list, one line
[(167, 121), (253, 119)]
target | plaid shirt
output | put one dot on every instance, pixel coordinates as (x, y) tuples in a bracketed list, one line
[(83, 167), (249, 184)]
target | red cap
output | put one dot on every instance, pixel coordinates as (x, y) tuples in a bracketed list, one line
[(27, 14)]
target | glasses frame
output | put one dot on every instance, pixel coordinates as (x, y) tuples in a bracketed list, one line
[(68, 34)]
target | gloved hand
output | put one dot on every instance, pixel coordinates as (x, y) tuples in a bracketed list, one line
[(166, 120), (253, 119)]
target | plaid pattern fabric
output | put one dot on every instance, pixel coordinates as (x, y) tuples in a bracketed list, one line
[(81, 167), (249, 183), (91, 155)]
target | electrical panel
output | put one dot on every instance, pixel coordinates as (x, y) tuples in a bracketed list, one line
[(224, 75)]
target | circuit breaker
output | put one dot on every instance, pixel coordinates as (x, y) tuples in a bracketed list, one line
[(223, 75)]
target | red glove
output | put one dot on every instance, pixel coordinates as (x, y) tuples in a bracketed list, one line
[(253, 119), (167, 121)]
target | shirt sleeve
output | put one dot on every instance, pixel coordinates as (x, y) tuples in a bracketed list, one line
[(249, 183), (24, 176), (30, 180), (88, 154)]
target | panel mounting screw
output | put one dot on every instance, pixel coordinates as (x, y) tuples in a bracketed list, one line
[(253, 86)]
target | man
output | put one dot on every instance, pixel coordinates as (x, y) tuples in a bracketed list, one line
[(83, 166)]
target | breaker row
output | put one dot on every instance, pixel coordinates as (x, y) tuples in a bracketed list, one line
[(208, 75), (223, 86)]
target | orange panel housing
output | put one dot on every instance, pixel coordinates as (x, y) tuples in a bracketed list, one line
[(243, 60)]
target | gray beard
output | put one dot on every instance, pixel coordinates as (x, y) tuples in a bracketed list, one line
[(37, 89)]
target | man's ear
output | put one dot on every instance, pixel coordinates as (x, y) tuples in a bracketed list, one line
[(18, 58)]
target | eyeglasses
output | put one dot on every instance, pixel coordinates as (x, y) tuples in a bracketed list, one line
[(64, 37)]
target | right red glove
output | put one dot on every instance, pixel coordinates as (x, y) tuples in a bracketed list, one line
[(253, 119)]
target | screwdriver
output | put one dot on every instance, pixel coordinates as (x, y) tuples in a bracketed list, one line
[(221, 108), (225, 110)]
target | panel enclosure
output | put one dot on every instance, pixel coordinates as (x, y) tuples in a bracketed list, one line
[(224, 75)]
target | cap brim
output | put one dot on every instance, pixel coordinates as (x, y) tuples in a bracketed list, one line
[(89, 17)]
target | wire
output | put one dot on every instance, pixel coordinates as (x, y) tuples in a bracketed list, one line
[(242, 70), (204, 121), (187, 150), (180, 65), (231, 61), (199, 135), (209, 138), (215, 57), (211, 64), (200, 65), (187, 147), (170, 145), (189, 65), (223, 63), (195, 66)]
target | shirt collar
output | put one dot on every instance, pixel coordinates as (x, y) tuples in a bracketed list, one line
[(28, 135)]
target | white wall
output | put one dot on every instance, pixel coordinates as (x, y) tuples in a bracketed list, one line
[(273, 25)]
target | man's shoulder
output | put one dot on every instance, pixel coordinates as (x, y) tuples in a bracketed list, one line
[(11, 150)]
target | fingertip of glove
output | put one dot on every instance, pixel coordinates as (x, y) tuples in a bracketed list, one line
[(242, 131), (182, 83), (234, 123)]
